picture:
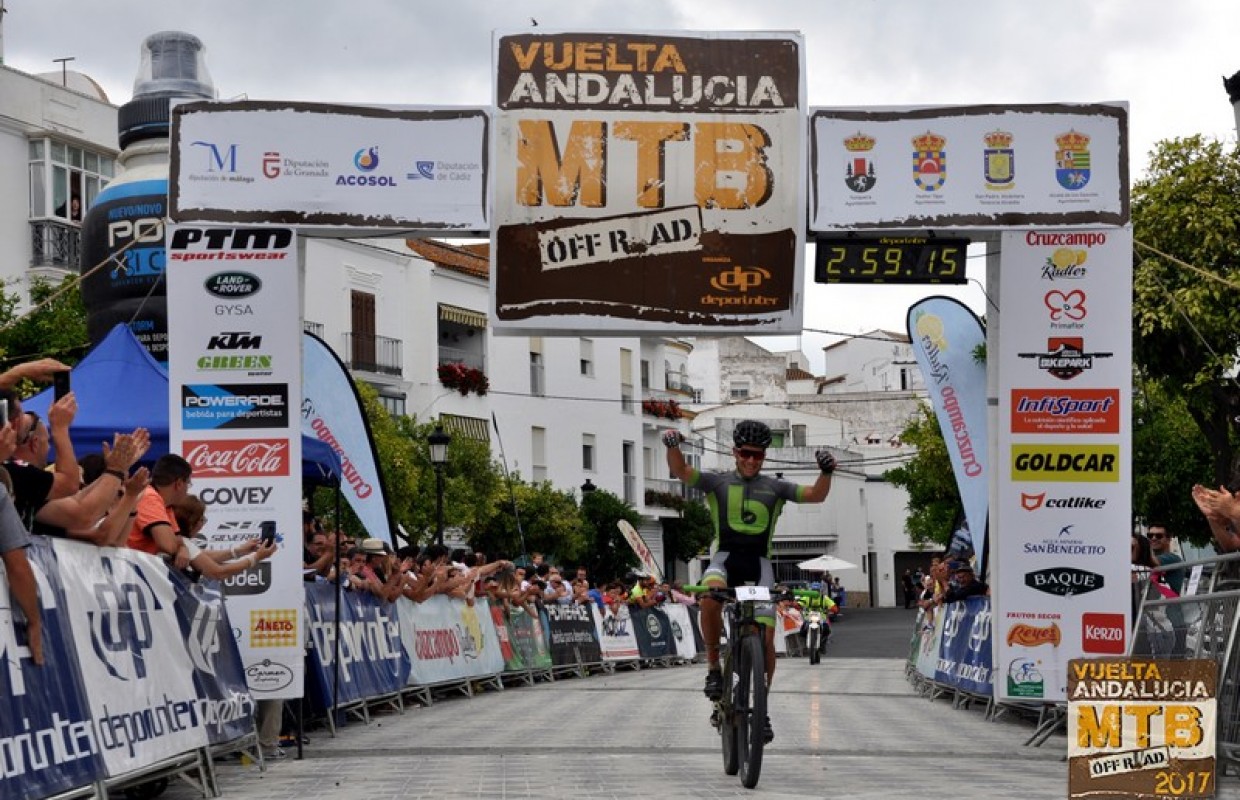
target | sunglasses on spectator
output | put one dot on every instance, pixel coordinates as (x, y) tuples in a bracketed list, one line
[(751, 455), (1158, 536)]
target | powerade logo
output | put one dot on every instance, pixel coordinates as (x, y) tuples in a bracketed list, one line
[(366, 161), (234, 405), (1065, 463), (232, 285)]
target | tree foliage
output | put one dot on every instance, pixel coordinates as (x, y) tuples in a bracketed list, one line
[(1187, 325), (56, 330), (688, 535), (607, 555), (933, 499), (1169, 455), (550, 523)]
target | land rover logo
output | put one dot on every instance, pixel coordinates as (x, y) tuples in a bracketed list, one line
[(1063, 581), (232, 285)]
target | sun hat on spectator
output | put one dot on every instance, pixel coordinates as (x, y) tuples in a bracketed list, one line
[(373, 547)]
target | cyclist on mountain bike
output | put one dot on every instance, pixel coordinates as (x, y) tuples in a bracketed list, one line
[(744, 505)]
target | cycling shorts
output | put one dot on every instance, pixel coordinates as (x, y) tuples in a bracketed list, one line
[(742, 569)]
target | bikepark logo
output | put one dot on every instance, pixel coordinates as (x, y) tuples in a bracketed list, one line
[(1066, 309), (234, 405), (366, 161), (1064, 581), (121, 632), (1033, 502), (233, 285), (238, 458), (1102, 633), (1071, 411), (1065, 463), (1065, 357)]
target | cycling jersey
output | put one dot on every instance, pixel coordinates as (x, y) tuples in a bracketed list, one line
[(744, 512)]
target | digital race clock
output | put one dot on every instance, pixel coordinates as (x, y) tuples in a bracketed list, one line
[(890, 259)]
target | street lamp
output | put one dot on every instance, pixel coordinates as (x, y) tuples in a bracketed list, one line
[(587, 487), (438, 442)]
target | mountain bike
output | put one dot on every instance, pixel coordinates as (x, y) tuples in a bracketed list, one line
[(740, 713)]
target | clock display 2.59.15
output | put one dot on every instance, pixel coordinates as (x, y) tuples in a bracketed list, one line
[(890, 259)]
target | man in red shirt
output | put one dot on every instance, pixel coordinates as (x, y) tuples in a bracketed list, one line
[(154, 528)]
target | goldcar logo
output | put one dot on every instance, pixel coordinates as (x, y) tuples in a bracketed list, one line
[(1066, 463)]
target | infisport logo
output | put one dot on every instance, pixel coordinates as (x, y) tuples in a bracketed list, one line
[(1102, 634), (1065, 411), (1065, 463)]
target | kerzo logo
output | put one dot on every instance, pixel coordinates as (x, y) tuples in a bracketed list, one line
[(233, 285)]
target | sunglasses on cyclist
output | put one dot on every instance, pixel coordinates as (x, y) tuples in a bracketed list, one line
[(751, 455)]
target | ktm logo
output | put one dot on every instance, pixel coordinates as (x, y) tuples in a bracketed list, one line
[(740, 279)]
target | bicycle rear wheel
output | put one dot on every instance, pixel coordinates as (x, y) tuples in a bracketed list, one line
[(749, 699), (726, 710)]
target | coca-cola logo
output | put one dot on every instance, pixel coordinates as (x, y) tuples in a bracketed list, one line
[(238, 458)]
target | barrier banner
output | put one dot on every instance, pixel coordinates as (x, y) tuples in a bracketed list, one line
[(130, 650), (48, 743), (699, 644), (614, 629), (788, 623), (954, 640), (373, 662), (931, 633), (529, 640), (225, 704), (974, 672), (681, 626), (448, 639), (573, 639), (503, 632), (653, 632)]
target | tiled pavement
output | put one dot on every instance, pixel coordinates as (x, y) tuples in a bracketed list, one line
[(848, 729)]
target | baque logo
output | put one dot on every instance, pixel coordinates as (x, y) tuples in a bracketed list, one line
[(929, 161), (1065, 411), (1026, 635), (1065, 463), (859, 174), (207, 406), (999, 161), (1064, 581), (1066, 307), (232, 285), (1065, 357), (1065, 264), (1032, 502), (1102, 633), (268, 676), (1072, 160), (238, 458)]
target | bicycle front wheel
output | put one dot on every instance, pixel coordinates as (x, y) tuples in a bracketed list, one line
[(725, 708), (749, 701), (811, 642)]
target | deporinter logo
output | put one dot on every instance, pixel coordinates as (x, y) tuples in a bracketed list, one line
[(1064, 463), (999, 161), (859, 174), (1065, 357)]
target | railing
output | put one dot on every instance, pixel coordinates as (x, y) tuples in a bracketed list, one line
[(458, 355), (313, 327), (675, 383), (55, 244), (371, 353)]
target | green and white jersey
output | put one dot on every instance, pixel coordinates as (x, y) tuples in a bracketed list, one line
[(744, 512)]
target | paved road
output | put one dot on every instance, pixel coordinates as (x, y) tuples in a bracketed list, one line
[(849, 729)]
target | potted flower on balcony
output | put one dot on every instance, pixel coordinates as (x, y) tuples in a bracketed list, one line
[(455, 375), (665, 409)]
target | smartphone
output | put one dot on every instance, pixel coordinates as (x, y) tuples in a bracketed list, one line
[(4, 413), (60, 383), (268, 535)]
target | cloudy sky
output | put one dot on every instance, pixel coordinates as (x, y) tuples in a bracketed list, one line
[(1165, 59)]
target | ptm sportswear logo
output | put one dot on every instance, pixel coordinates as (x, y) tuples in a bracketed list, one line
[(1094, 463)]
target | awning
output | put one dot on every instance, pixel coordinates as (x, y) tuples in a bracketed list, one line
[(464, 316), (468, 427)]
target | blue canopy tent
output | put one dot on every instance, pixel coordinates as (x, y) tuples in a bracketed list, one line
[(119, 387)]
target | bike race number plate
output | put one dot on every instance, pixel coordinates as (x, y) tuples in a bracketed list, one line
[(753, 593)]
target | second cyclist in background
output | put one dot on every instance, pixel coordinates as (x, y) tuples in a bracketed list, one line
[(744, 505)]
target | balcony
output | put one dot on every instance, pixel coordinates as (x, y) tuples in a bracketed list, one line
[(313, 327), (368, 352), (676, 383), (460, 355), (55, 244)]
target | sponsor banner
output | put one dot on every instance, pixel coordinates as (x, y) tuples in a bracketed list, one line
[(373, 660), (614, 628), (969, 166), (447, 639), (331, 412), (653, 631), (1061, 584), (132, 656), (48, 739), (640, 549), (571, 629), (1142, 728), (681, 622), (308, 164), (529, 639), (963, 645), (234, 373), (648, 182), (944, 335), (225, 704)]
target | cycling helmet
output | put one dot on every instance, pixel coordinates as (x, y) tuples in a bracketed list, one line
[(753, 433)]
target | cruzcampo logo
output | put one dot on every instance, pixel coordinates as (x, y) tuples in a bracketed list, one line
[(232, 285)]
